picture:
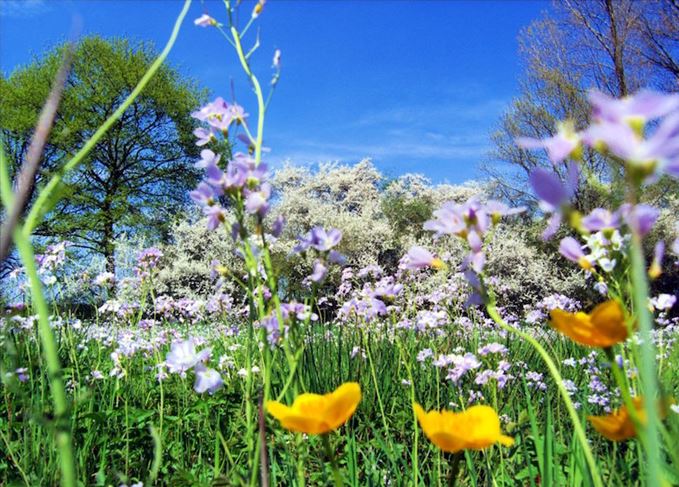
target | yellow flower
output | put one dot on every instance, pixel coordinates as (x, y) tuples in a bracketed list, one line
[(618, 426), (316, 414), (476, 428), (603, 327)]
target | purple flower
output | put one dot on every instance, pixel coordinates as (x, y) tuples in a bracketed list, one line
[(662, 147), (551, 190), (640, 218), (278, 225), (203, 194), (419, 258), (205, 21), (655, 269), (319, 272), (558, 147), (554, 194), (455, 219), (207, 380), (215, 215), (213, 111), (572, 250), (207, 158), (645, 105), (183, 356), (497, 210), (319, 239), (258, 201), (601, 219), (205, 136)]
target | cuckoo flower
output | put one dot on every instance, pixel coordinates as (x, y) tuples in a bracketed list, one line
[(601, 219), (205, 21), (572, 250), (639, 218), (314, 414), (644, 106), (419, 258), (476, 428), (565, 143), (603, 327), (555, 195)]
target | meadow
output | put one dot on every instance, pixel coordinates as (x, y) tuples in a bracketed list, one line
[(419, 372)]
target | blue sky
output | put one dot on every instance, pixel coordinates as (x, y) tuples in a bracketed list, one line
[(417, 86)]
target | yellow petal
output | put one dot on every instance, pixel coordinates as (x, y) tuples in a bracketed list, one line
[(342, 404), (277, 410), (305, 424)]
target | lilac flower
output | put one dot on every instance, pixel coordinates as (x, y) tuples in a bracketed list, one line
[(554, 194), (207, 380), (257, 202), (213, 111), (205, 136), (215, 215), (419, 258), (319, 272), (497, 210), (640, 218), (655, 269), (424, 355), (601, 219), (663, 302), (203, 194), (645, 105), (205, 21), (493, 348), (319, 239), (661, 148), (183, 356), (572, 250), (105, 279), (278, 225), (207, 158), (455, 219), (560, 146)]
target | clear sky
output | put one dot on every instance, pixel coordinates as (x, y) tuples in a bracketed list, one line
[(417, 86)]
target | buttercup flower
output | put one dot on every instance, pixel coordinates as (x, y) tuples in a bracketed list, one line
[(316, 414), (603, 327), (618, 426), (474, 429)]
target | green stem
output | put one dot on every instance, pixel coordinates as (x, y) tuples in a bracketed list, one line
[(455, 469), (261, 108), (648, 372), (51, 356), (333, 462), (577, 425)]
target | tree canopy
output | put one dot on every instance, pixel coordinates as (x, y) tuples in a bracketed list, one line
[(138, 175)]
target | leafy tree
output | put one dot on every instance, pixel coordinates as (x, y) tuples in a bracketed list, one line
[(136, 178), (617, 47)]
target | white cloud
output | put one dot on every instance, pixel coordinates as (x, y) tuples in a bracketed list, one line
[(23, 8)]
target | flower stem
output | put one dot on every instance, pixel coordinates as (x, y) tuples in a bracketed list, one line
[(51, 355), (577, 425), (333, 463), (648, 373), (454, 469)]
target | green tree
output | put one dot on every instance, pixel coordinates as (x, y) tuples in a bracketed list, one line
[(137, 177)]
